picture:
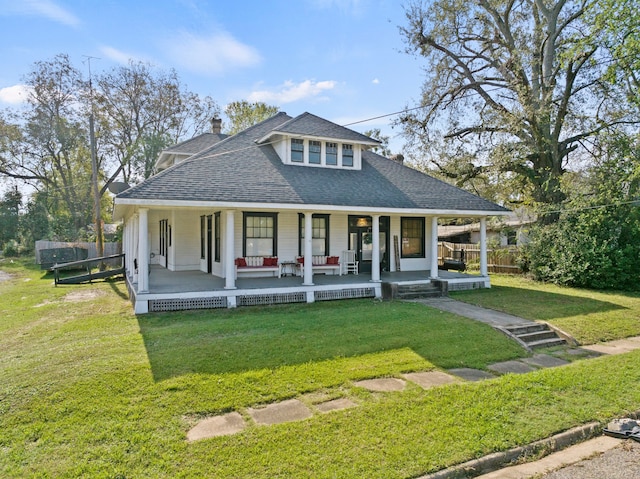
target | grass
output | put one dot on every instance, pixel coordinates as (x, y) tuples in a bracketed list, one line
[(589, 316), (89, 390)]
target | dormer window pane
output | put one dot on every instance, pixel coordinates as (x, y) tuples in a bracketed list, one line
[(347, 155), (314, 152), (332, 154), (297, 150)]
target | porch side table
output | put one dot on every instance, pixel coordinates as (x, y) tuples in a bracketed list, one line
[(288, 267)]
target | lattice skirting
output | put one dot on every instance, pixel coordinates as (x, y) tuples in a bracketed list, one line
[(465, 286), (265, 299), (351, 293), (158, 305)]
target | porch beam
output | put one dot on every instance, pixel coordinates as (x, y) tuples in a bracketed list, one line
[(230, 253), (308, 249), (375, 253), (143, 250), (434, 248), (484, 271)]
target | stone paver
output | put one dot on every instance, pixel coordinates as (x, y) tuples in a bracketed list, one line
[(545, 361), (430, 379), (336, 405), (470, 374), (514, 367), (382, 384), (227, 424), (285, 411)]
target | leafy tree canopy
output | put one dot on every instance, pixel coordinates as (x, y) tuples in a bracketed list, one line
[(512, 88), (243, 114)]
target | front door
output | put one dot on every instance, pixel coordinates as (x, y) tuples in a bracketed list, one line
[(361, 241)]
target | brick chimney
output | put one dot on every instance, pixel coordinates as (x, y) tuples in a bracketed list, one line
[(397, 158), (216, 125)]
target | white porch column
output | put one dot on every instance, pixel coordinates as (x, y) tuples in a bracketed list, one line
[(483, 247), (434, 247), (308, 249), (143, 250), (375, 253), (128, 247), (230, 252)]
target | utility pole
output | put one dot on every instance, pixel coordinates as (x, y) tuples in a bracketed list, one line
[(94, 171)]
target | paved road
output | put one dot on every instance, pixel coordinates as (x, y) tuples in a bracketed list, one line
[(622, 462)]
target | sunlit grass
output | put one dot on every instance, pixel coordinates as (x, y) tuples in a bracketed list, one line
[(89, 390)]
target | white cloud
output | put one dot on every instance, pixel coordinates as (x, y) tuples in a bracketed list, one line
[(42, 8), (15, 94), (290, 92), (375, 81), (117, 56), (213, 54)]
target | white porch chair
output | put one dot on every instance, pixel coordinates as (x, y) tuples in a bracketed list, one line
[(349, 262)]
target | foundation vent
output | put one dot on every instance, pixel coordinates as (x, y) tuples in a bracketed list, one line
[(351, 293), (266, 299), (160, 305)]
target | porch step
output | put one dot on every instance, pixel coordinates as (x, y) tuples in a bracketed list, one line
[(536, 336), (411, 291)]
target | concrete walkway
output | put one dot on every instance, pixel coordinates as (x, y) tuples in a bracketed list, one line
[(488, 316)]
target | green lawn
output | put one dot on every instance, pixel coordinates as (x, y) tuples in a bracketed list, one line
[(89, 390), (589, 316)]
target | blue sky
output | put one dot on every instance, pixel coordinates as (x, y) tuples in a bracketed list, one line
[(340, 59)]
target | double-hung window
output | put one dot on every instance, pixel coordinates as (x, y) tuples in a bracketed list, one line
[(347, 155), (315, 148), (319, 235), (412, 237), (331, 154), (260, 234), (297, 150)]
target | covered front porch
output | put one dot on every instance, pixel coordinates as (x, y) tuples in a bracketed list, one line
[(181, 290)]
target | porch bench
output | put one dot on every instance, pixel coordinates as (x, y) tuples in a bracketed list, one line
[(255, 264), (322, 263)]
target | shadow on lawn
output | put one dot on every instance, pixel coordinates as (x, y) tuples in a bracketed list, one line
[(221, 342), (536, 305)]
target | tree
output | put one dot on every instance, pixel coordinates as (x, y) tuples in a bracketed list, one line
[(10, 215), (383, 149), (615, 27), (512, 87), (594, 243), (141, 111), (243, 114), (47, 146)]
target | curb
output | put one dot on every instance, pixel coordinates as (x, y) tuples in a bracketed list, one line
[(498, 460)]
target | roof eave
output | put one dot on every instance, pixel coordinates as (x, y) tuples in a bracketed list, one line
[(120, 205)]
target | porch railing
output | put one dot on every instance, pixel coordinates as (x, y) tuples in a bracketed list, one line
[(94, 268), (499, 260)]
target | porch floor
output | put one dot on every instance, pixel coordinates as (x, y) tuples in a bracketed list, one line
[(162, 281)]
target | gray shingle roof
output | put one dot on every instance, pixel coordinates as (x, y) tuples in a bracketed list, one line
[(239, 170), (311, 125), (197, 143)]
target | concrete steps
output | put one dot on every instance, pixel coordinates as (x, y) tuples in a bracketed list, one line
[(536, 336), (411, 291)]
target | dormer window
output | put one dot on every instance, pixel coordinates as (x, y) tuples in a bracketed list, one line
[(315, 148), (347, 155), (297, 150), (332, 154)]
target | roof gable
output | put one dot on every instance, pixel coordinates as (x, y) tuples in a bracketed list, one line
[(313, 126)]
